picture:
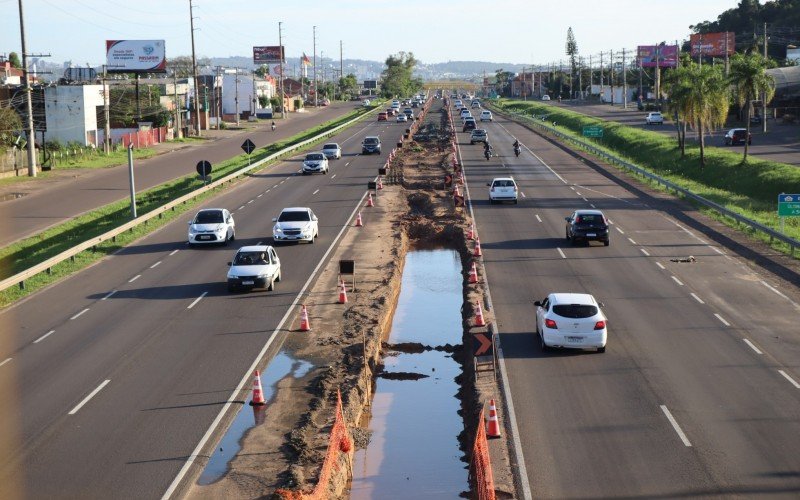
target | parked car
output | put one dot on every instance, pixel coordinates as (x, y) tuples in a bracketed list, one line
[(332, 151), (545, 97), (383, 116), (587, 225), (255, 266), (654, 118), (469, 124), (371, 144), (502, 189), (212, 225), (571, 320), (478, 135), (295, 224), (486, 115), (737, 136), (315, 163)]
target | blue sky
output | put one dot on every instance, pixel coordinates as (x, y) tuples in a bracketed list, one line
[(512, 31)]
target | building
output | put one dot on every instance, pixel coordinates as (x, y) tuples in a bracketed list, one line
[(522, 85), (71, 113), (9, 75), (246, 88)]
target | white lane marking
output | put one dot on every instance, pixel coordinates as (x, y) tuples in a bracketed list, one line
[(197, 300), (156, 264), (572, 188), (258, 243), (645, 252), (251, 201), (584, 199), (578, 193), (240, 208), (347, 164), (173, 252), (134, 278), (523, 194), (611, 222), (90, 396), (620, 230), (6, 361), (538, 218), (722, 319), (333, 176), (44, 336), (276, 185), (752, 346), (774, 289), (785, 375), (268, 190), (632, 242), (315, 192), (592, 205), (676, 426), (659, 264), (718, 250), (259, 196), (112, 292), (561, 252), (282, 181), (698, 299), (676, 280), (79, 314)]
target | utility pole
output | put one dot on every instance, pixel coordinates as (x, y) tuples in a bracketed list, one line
[(624, 83), (611, 74), (255, 96), (763, 95), (591, 74), (195, 101), (658, 76), (280, 56), (178, 108), (106, 113), (236, 97), (27, 81), (316, 93), (580, 77), (218, 95), (602, 89), (560, 78), (341, 70)]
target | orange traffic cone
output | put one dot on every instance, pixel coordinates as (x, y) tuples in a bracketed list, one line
[(359, 223), (258, 393), (305, 325), (471, 232), (456, 191), (380, 183), (493, 426), (370, 203), (461, 177), (342, 293), (473, 274), (478, 252), (479, 315)]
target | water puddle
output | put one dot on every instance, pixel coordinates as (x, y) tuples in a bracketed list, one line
[(250, 416), (413, 451), (12, 196)]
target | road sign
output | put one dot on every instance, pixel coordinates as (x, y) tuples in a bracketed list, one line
[(203, 168), (482, 344), (593, 131), (789, 205), (248, 146)]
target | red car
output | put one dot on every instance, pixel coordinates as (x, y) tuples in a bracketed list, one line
[(382, 116)]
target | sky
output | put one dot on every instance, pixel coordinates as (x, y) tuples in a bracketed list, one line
[(503, 31)]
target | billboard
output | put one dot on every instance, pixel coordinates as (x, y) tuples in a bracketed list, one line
[(370, 84), (667, 56), (268, 54), (713, 44), (136, 56)]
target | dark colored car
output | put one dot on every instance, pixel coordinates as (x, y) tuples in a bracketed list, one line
[(737, 136), (587, 225), (469, 124), (371, 144), (382, 116)]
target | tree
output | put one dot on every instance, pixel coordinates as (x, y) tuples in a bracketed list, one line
[(572, 52), (262, 71), (502, 80), (397, 77), (9, 124), (750, 82), (707, 102), (348, 85), (678, 84), (13, 58)]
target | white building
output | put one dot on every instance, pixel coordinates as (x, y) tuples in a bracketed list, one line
[(71, 113), (246, 90)]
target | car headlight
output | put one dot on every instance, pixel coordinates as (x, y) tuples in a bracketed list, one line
[(192, 230), (277, 229), (232, 277), (263, 275)]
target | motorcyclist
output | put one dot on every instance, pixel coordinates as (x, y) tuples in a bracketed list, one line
[(487, 149), (273, 126), (516, 147)]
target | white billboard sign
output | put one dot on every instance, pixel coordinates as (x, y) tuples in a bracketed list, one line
[(136, 56)]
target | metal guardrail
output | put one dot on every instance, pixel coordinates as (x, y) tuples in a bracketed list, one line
[(773, 234), (19, 278)]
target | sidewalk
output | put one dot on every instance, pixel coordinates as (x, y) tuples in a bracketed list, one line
[(30, 206)]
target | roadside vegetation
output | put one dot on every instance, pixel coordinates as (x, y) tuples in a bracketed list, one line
[(748, 188), (31, 251)]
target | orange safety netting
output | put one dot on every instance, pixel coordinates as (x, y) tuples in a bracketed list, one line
[(481, 466), (339, 442)]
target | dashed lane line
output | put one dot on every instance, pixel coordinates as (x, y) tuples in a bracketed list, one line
[(251, 201), (155, 265), (632, 242), (695, 297), (259, 196), (722, 319), (134, 278), (197, 300), (44, 336), (785, 375), (620, 230), (80, 314), (334, 175), (676, 280), (659, 264), (6, 361), (109, 294), (645, 252), (174, 252), (752, 346), (561, 252), (240, 208), (675, 426), (90, 396), (315, 192), (538, 218)]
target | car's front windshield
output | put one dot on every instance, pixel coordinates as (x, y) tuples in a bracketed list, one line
[(294, 217), (250, 258), (209, 217)]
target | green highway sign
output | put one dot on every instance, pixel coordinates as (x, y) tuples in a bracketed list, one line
[(789, 205), (594, 131)]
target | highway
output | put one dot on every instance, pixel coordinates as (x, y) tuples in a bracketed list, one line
[(117, 373), (90, 189), (698, 393)]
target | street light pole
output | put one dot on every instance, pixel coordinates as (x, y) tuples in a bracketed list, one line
[(28, 96)]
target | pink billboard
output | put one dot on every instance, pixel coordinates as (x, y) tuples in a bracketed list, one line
[(666, 55)]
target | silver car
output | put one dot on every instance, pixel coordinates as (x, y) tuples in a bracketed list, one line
[(332, 151)]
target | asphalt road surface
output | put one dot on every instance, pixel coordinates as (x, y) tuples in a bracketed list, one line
[(41, 209), (698, 393), (118, 372)]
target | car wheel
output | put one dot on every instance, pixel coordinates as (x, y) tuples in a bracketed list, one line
[(573, 241), (278, 278), (516, 201), (231, 288), (325, 172), (271, 285), (233, 235), (227, 238), (601, 349)]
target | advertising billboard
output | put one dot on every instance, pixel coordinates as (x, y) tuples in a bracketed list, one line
[(667, 56), (136, 56), (713, 44), (370, 84), (268, 54)]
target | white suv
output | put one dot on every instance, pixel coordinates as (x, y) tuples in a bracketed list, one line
[(486, 115), (256, 266), (503, 189), (315, 162), (295, 224), (212, 225), (571, 320)]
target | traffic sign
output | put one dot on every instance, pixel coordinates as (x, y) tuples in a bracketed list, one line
[(248, 146), (593, 131), (203, 168), (482, 344), (789, 205)]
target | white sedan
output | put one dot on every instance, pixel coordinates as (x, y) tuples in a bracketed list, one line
[(315, 162), (295, 224), (255, 266), (571, 320), (332, 151), (212, 225)]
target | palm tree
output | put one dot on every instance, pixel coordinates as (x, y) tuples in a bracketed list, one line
[(750, 80), (678, 85), (707, 101)]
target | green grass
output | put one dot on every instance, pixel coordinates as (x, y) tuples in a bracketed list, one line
[(31, 251), (749, 189)]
